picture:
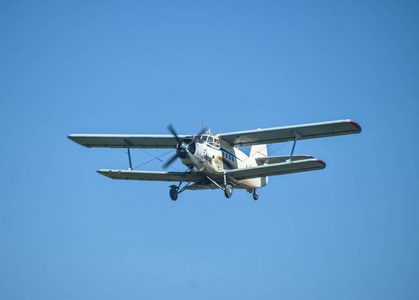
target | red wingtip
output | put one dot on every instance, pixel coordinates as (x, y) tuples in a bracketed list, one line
[(355, 124), (322, 162)]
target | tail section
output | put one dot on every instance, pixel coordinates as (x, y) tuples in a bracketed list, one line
[(259, 151)]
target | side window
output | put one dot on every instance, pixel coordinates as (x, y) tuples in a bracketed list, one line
[(210, 140)]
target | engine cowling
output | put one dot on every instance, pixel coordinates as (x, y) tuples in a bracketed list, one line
[(193, 153)]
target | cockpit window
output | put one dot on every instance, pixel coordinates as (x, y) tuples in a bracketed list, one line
[(215, 142)]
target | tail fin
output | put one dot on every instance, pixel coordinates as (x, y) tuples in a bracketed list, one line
[(257, 151)]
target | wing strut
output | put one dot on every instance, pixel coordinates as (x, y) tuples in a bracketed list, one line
[(296, 137), (129, 153), (178, 189), (215, 183)]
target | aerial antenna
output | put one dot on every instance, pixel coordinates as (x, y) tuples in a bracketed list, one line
[(202, 125)]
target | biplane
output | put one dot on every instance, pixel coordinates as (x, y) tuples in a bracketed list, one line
[(215, 161)]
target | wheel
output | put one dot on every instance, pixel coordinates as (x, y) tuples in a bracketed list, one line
[(173, 193), (228, 191), (255, 196)]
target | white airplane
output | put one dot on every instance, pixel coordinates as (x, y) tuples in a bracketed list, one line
[(215, 162)]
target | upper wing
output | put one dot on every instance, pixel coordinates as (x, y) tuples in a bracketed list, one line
[(150, 175), (277, 169), (125, 140), (287, 133)]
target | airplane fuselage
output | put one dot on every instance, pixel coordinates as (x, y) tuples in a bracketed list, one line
[(213, 157)]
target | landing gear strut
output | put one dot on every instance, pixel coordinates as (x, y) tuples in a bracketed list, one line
[(228, 191), (173, 192)]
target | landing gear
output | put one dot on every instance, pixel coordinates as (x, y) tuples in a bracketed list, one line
[(228, 191), (255, 195), (173, 192)]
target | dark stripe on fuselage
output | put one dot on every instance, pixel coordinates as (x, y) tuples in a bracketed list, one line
[(224, 150)]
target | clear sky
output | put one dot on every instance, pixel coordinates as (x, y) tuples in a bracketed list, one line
[(349, 231)]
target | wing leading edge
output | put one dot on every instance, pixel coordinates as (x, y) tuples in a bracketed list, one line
[(288, 133)]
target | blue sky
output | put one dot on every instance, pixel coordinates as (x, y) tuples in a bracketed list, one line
[(349, 231)]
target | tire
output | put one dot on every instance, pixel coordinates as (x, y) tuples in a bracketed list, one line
[(173, 193), (255, 196), (228, 191)]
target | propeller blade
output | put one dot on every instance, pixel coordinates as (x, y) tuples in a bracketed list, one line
[(194, 160), (173, 131), (170, 161)]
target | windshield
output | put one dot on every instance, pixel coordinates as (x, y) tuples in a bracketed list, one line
[(204, 137)]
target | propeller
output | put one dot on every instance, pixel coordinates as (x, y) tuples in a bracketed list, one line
[(185, 147), (173, 131), (173, 158), (170, 161)]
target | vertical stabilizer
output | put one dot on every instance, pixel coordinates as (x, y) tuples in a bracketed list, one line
[(258, 151)]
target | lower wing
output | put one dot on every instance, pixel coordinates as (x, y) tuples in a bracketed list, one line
[(310, 164), (150, 175)]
